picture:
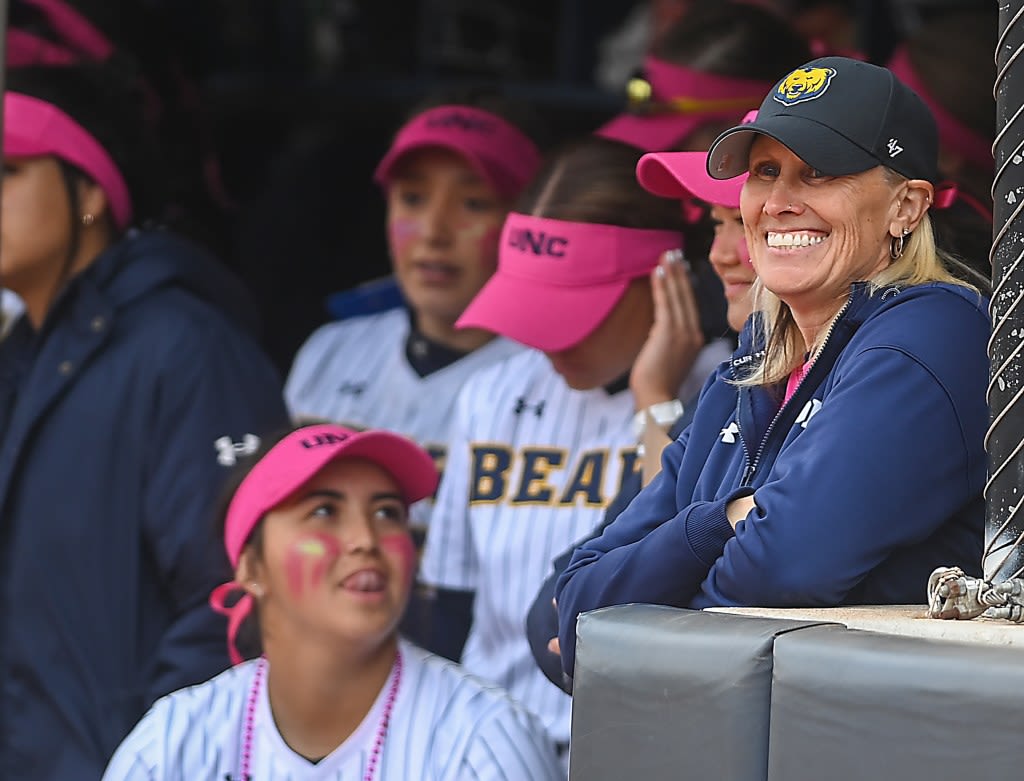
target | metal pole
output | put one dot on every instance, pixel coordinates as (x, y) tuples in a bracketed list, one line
[(1004, 524)]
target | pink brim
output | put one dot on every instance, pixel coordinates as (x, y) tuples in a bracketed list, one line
[(545, 317), (684, 174), (652, 134), (33, 128), (415, 474)]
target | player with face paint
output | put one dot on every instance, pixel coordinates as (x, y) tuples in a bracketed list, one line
[(318, 533), (591, 276), (450, 176)]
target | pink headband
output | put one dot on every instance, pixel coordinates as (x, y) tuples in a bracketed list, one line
[(77, 39), (74, 29), (691, 97), (33, 128), (952, 132), (500, 152), (25, 48), (292, 463), (557, 281)]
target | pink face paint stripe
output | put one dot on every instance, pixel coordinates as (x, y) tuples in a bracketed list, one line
[(315, 553), (400, 543), (402, 231), (289, 465)]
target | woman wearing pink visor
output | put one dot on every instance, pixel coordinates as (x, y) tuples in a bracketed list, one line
[(684, 176), (317, 531), (450, 176), (703, 74), (681, 176), (125, 386), (590, 275)]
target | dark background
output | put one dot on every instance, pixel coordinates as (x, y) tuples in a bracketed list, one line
[(275, 112)]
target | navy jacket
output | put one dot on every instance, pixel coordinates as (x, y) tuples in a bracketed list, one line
[(108, 480), (866, 480)]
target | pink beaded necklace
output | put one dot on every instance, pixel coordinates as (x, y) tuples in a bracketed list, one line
[(250, 717)]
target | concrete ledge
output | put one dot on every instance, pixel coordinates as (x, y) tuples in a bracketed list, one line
[(902, 620)]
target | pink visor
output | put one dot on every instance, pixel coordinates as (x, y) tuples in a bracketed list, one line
[(74, 32), (683, 99), (33, 128), (557, 281), (292, 463), (953, 133), (685, 175), (497, 150), (25, 48)]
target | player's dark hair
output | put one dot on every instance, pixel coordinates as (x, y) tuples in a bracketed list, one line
[(734, 39), (594, 180), (249, 641)]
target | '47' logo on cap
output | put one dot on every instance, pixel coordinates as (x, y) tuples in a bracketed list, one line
[(803, 84)]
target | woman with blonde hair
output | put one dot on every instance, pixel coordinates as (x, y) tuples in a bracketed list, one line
[(801, 481)]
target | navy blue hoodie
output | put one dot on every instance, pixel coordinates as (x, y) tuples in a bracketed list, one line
[(868, 478), (108, 479)]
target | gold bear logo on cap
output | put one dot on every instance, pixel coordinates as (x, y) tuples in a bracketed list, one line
[(803, 84)]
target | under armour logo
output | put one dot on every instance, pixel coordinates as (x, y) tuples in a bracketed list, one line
[(809, 411), (728, 434), (522, 406), (228, 451), (352, 388), (894, 147)]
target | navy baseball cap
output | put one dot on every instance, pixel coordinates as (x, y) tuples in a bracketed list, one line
[(842, 117)]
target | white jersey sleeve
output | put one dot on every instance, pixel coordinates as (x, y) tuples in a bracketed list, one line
[(509, 745), (449, 558), (128, 766)]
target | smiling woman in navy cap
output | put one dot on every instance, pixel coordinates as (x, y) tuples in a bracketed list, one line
[(801, 481)]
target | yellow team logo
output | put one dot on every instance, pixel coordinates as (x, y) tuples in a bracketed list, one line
[(803, 84)]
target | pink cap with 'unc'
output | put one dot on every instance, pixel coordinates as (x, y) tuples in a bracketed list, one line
[(501, 153), (292, 463), (557, 280)]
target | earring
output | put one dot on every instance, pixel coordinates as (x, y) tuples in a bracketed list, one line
[(88, 219), (256, 589), (896, 244)]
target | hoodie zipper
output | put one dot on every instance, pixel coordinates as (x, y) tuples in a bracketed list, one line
[(748, 474)]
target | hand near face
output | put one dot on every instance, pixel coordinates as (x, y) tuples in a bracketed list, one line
[(675, 339)]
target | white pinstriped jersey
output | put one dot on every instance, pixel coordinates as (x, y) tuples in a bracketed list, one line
[(445, 726), (355, 371), (531, 466)]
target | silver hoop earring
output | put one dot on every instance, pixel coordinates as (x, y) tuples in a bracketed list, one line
[(896, 245)]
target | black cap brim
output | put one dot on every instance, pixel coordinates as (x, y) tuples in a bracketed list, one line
[(819, 146)]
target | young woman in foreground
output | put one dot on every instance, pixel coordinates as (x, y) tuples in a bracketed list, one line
[(318, 534)]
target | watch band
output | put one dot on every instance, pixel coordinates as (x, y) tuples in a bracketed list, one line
[(665, 413)]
